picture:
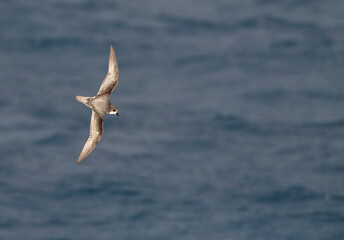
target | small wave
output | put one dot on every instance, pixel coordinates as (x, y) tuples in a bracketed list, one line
[(339, 123), (293, 3), (64, 190), (50, 42), (295, 193), (188, 23), (234, 123), (333, 168), (85, 5), (321, 95), (273, 95), (54, 139), (7, 223), (280, 22), (267, 96), (4, 103), (328, 216)]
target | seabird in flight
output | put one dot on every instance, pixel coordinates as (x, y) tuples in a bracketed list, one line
[(100, 105)]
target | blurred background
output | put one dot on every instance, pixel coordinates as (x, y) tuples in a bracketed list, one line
[(231, 120)]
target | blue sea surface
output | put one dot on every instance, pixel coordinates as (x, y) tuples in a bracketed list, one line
[(231, 120)]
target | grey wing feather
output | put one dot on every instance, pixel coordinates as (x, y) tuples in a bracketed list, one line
[(111, 79), (96, 132)]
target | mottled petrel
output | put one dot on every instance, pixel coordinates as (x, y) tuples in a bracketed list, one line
[(100, 105)]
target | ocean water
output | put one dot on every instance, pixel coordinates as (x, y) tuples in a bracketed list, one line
[(231, 120)]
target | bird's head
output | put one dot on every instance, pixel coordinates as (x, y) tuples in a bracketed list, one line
[(113, 110)]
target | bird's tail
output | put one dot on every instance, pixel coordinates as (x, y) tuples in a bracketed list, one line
[(84, 100)]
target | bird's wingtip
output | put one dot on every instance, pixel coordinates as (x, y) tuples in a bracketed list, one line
[(112, 61), (112, 50), (80, 159)]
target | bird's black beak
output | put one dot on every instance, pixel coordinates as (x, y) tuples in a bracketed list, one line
[(117, 113)]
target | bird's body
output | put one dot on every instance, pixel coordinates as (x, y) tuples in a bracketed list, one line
[(100, 105)]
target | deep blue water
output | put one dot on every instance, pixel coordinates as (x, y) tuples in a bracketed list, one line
[(231, 120)]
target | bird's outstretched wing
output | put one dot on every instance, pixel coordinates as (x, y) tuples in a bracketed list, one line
[(96, 132), (111, 79)]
